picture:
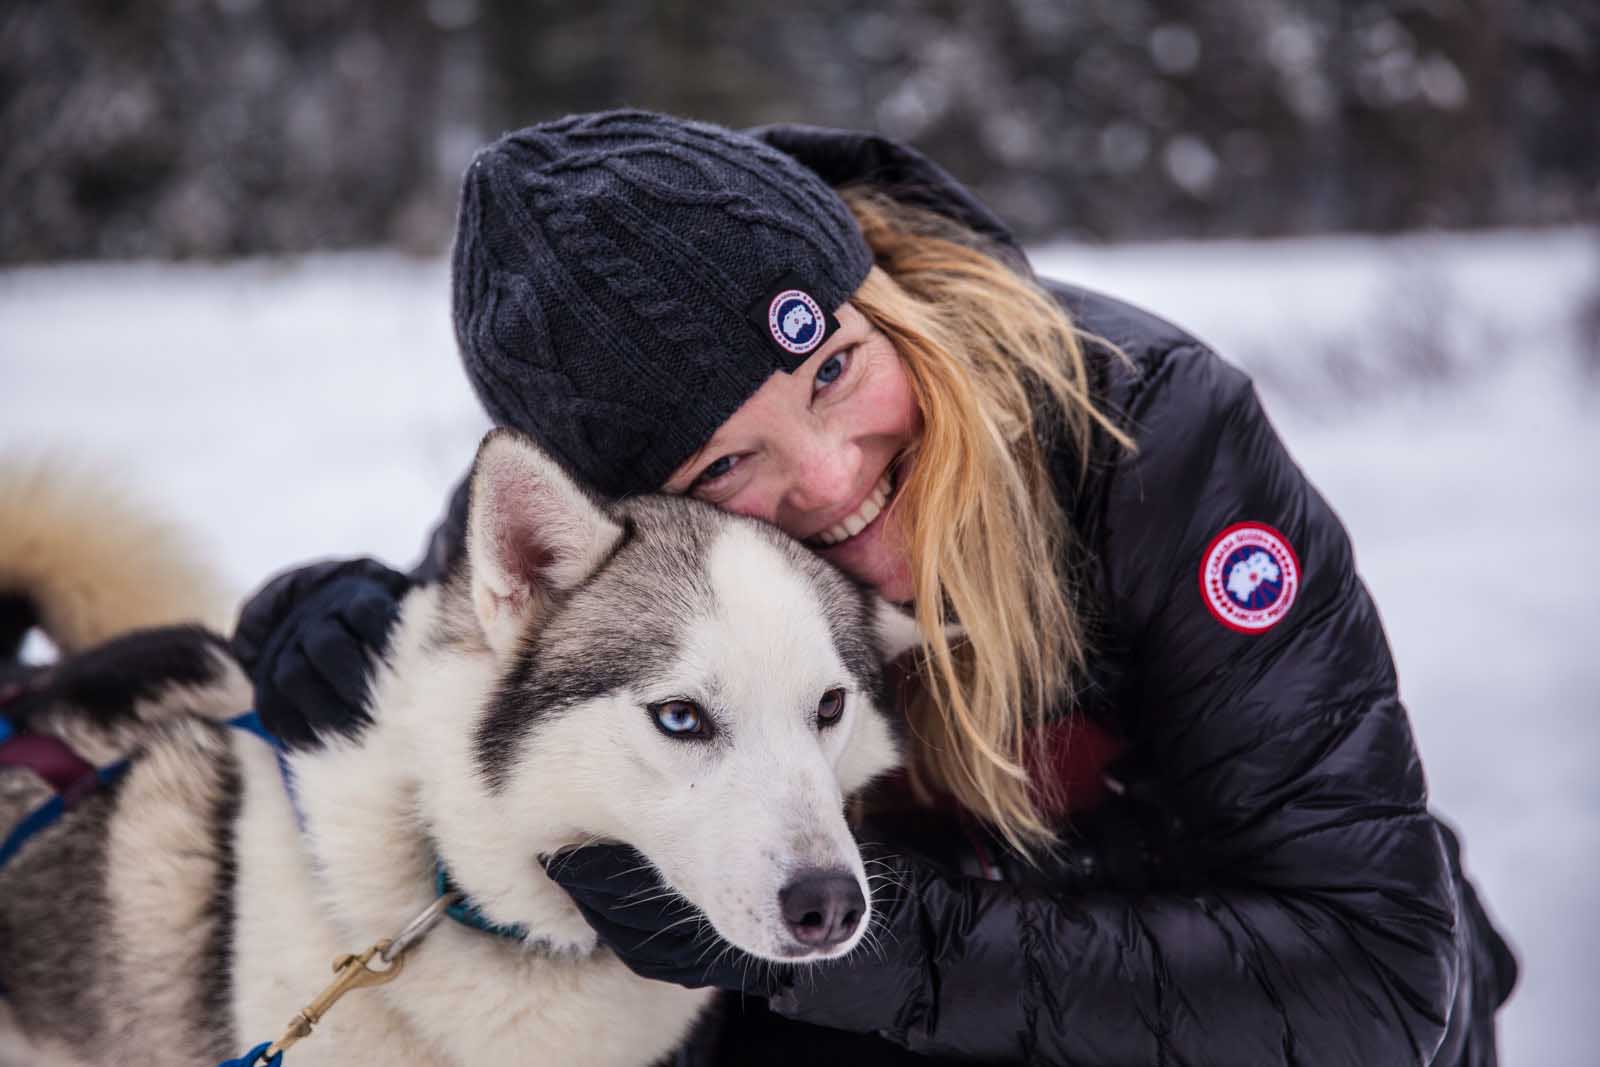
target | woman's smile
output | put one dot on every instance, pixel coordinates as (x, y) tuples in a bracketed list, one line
[(858, 520)]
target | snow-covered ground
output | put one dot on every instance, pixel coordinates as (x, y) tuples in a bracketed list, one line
[(288, 409)]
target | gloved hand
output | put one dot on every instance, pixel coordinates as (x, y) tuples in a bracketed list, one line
[(652, 929), (949, 951), (938, 941), (660, 935), (308, 638)]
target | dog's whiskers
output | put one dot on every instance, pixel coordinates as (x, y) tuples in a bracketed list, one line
[(567, 855), (631, 900), (874, 945), (634, 870), (670, 926)]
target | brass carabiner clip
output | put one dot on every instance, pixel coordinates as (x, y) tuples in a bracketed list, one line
[(350, 972)]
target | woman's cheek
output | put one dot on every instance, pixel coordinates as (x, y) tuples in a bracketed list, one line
[(752, 501)]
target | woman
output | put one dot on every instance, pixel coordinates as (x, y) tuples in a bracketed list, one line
[(1163, 803)]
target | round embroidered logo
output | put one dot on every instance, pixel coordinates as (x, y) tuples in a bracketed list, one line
[(1249, 577), (796, 321)]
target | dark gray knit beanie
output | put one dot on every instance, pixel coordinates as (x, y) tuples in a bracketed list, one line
[(623, 281)]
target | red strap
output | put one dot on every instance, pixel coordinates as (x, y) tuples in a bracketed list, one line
[(50, 758)]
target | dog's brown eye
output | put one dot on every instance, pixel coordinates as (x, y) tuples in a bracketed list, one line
[(830, 707), (680, 718)]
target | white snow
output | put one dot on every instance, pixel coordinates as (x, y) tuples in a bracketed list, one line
[(283, 410)]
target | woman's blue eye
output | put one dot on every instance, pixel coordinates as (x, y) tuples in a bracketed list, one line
[(715, 470), (831, 370)]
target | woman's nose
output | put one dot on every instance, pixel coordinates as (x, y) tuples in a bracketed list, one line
[(825, 476)]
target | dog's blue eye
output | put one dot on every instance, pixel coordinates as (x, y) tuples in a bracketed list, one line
[(830, 708), (679, 718)]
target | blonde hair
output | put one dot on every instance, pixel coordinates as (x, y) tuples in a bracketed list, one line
[(999, 372)]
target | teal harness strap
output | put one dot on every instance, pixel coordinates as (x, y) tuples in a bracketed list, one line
[(463, 912), (460, 909)]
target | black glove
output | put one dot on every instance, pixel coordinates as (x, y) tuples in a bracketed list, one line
[(651, 928), (307, 639), (943, 940)]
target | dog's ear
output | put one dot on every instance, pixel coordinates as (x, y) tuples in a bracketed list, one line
[(532, 534), (897, 630)]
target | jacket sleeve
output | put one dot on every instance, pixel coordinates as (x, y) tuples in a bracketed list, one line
[(447, 542), (1316, 924)]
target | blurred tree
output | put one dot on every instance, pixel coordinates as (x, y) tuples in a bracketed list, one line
[(221, 126), (1119, 118), (178, 127)]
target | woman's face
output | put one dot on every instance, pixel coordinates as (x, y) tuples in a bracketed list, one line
[(813, 452)]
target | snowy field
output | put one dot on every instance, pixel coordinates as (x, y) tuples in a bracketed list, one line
[(1431, 387)]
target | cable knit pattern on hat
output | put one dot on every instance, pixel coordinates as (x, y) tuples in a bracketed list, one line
[(604, 274)]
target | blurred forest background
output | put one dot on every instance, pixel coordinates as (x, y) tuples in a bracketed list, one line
[(216, 128)]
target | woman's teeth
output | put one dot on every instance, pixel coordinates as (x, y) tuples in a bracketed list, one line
[(854, 524)]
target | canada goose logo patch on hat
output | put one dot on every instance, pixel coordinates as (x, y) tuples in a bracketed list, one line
[(1249, 577), (796, 321)]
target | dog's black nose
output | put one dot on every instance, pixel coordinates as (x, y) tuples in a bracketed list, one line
[(822, 908)]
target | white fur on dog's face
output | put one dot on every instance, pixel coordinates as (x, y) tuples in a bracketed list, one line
[(754, 636), (731, 819)]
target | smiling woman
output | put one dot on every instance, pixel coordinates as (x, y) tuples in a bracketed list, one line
[(1153, 814), (816, 453)]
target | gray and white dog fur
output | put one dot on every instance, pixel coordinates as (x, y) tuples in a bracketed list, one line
[(183, 914)]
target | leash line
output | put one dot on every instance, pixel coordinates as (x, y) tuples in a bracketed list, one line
[(350, 972)]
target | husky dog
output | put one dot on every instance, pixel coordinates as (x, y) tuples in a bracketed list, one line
[(654, 671)]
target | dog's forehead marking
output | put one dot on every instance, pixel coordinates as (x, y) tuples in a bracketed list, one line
[(756, 583), (785, 610), (644, 612), (766, 637)]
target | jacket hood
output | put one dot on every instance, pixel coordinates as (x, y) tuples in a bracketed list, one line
[(855, 157)]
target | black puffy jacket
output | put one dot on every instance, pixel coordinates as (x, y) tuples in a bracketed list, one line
[(1292, 899)]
